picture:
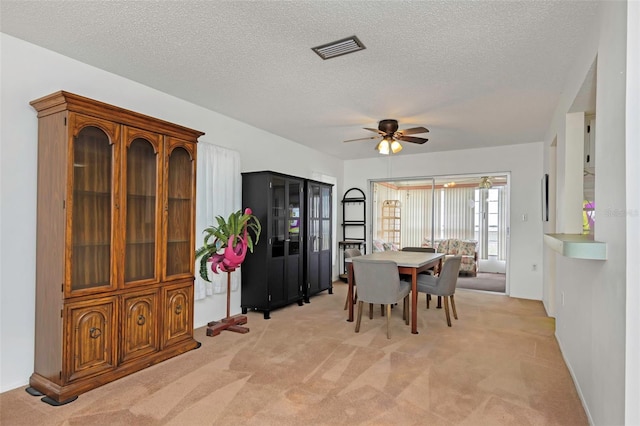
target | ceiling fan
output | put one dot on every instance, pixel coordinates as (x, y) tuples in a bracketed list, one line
[(388, 131)]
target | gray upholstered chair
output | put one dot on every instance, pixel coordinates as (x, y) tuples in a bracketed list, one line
[(443, 285), (430, 271), (349, 253), (379, 282), (421, 249)]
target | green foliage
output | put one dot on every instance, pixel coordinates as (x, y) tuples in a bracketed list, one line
[(216, 238)]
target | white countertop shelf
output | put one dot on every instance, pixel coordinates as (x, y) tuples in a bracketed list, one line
[(577, 246)]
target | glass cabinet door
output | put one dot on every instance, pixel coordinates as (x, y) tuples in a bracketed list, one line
[(325, 197), (180, 205), (294, 217), (314, 218), (142, 210), (285, 213), (92, 210), (278, 216)]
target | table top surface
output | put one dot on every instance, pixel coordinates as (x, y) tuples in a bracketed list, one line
[(409, 259)]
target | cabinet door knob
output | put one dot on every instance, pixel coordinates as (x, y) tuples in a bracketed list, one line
[(141, 319), (178, 310), (95, 332)]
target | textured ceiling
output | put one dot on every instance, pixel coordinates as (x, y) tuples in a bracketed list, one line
[(476, 73)]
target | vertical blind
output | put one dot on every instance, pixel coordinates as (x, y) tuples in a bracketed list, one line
[(456, 214)]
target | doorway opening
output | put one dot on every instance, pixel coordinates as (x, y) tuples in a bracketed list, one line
[(424, 212)]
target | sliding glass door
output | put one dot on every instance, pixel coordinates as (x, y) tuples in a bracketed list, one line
[(406, 206), (490, 222), (429, 210)]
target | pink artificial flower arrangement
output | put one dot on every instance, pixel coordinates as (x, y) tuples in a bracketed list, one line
[(226, 245)]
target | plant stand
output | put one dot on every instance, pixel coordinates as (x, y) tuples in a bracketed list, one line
[(231, 323)]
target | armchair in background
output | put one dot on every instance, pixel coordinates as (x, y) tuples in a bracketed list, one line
[(467, 249), (379, 245)]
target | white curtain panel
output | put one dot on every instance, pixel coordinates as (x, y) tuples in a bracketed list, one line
[(218, 193)]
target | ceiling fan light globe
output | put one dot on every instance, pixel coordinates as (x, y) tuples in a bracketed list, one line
[(396, 147), (485, 182), (383, 147)]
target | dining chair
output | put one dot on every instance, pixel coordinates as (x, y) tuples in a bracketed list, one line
[(430, 271), (420, 249), (443, 285), (379, 283)]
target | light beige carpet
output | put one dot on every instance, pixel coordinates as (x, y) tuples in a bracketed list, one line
[(498, 365)]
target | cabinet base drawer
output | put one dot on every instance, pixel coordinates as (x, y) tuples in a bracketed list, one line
[(61, 393)]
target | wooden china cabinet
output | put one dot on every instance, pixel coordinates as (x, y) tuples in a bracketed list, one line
[(115, 244)]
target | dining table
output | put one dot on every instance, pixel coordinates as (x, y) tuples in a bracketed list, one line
[(409, 263)]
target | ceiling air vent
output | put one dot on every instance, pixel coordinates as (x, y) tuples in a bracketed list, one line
[(339, 48)]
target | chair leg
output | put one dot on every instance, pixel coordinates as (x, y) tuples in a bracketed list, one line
[(446, 310), (370, 310), (382, 309), (388, 322), (355, 298), (439, 305), (404, 308), (453, 306), (359, 316), (408, 310)]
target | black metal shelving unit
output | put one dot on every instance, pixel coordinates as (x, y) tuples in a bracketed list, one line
[(353, 225)]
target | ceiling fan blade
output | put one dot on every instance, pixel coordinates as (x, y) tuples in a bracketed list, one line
[(413, 131), (363, 139), (412, 139), (375, 130)]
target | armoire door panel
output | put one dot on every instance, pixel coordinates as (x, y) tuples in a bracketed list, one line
[(277, 294), (139, 319), (91, 346), (178, 313), (294, 278)]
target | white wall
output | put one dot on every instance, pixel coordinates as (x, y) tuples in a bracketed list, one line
[(632, 373), (590, 324), (523, 161), (30, 72)]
